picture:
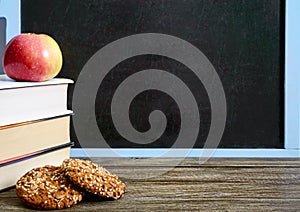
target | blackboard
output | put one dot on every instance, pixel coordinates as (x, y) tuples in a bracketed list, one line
[(243, 40)]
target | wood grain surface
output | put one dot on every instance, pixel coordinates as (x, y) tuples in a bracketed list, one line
[(216, 185)]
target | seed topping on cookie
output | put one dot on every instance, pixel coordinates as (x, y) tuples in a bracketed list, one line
[(93, 178), (47, 188)]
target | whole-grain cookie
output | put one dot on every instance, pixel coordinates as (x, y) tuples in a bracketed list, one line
[(93, 178), (47, 188)]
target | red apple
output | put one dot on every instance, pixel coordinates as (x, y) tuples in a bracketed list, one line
[(32, 57)]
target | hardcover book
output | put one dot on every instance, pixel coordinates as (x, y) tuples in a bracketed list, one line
[(26, 137), (11, 171), (27, 101)]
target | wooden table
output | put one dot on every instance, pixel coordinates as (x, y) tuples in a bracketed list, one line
[(218, 184)]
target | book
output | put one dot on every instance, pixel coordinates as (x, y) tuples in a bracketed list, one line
[(27, 137), (11, 171), (27, 101)]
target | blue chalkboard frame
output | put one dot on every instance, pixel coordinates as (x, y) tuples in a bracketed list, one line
[(10, 9), (292, 75)]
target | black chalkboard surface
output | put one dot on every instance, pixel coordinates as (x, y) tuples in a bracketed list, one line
[(243, 40)]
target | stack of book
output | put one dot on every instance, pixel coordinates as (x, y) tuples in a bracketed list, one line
[(34, 126)]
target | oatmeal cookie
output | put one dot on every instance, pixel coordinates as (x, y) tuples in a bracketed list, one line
[(47, 188), (93, 178)]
